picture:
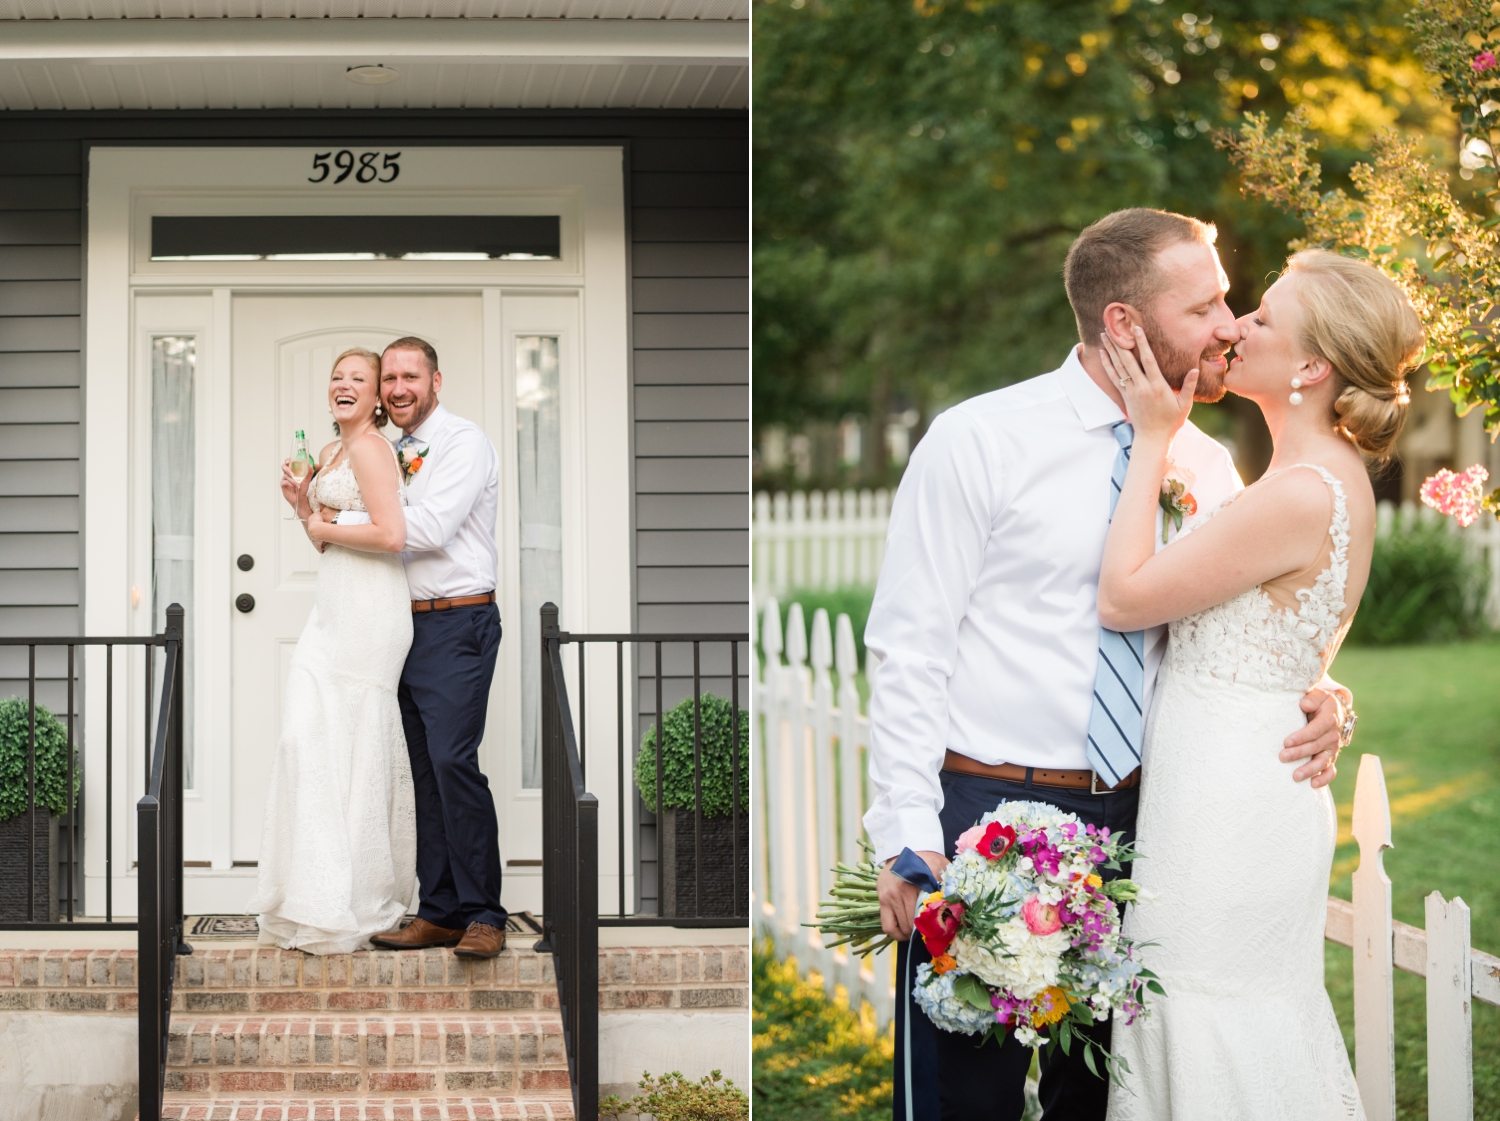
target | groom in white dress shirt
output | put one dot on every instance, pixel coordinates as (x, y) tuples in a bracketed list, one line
[(986, 630), (452, 474)]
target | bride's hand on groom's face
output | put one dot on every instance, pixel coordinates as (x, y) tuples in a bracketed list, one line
[(1153, 406)]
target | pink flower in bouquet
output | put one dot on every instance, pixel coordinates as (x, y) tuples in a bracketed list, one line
[(1459, 495), (1041, 918), (1483, 61), (969, 839), (938, 923)]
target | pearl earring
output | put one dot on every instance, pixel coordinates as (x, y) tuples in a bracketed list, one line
[(1296, 398)]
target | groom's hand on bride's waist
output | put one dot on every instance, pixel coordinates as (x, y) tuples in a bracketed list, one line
[(898, 899), (1318, 741)]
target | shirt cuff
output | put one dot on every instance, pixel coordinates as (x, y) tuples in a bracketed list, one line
[(893, 830)]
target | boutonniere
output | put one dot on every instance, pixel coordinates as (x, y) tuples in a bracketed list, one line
[(410, 467), (1176, 498)]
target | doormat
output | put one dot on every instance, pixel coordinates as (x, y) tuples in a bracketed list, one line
[(242, 928)]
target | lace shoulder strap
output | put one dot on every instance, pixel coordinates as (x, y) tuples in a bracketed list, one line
[(1337, 572)]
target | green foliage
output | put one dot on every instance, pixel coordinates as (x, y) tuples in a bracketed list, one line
[(716, 724), (51, 767), (853, 602), (1439, 243), (920, 169), (673, 1098), (815, 1058), (1424, 587)]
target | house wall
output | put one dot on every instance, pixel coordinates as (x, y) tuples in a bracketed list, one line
[(689, 195)]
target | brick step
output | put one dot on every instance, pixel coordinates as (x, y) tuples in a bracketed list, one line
[(274, 980), (366, 1109), (518, 1055), (243, 980)]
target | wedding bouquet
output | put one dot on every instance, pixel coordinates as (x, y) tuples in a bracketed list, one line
[(1023, 930)]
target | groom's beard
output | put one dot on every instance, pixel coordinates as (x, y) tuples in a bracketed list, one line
[(1176, 362)]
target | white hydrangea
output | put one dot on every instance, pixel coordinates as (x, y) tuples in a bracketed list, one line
[(934, 995), (1022, 962)]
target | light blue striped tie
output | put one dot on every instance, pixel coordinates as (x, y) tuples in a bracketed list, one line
[(1114, 748)]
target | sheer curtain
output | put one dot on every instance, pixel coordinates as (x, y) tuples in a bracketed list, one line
[(539, 471), (173, 471)]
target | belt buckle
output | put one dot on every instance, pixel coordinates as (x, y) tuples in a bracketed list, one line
[(1094, 787)]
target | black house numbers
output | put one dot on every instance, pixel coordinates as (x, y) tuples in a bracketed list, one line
[(365, 167)]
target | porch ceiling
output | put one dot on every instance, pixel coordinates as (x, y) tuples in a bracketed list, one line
[(235, 63), (376, 9)]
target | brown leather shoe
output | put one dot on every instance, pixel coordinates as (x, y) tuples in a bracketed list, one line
[(419, 934), (481, 940)]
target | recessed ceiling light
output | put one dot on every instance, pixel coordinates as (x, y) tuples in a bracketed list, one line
[(372, 75)]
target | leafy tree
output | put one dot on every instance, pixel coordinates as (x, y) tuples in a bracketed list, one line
[(920, 170)]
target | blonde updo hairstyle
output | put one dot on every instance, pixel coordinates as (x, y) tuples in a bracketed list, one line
[(382, 418), (1361, 323)]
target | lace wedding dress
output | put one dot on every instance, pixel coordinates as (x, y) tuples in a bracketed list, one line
[(339, 845), (1239, 856)]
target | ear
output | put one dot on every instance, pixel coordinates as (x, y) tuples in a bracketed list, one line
[(1118, 320), (437, 381), (1313, 370)]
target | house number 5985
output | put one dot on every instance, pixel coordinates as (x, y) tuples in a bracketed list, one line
[(362, 166)]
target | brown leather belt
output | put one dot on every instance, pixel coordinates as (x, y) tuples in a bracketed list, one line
[(420, 605), (1010, 772)]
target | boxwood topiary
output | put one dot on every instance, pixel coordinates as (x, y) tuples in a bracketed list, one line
[(677, 758), (51, 770)]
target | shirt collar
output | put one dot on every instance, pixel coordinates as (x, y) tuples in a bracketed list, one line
[(1092, 404), (435, 422)]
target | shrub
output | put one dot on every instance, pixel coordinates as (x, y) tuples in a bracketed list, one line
[(51, 769), (677, 758), (673, 1098), (1424, 587), (853, 602)]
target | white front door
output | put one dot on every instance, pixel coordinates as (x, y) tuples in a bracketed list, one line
[(284, 349), (533, 348)]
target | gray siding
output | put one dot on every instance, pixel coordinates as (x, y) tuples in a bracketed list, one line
[(41, 406)]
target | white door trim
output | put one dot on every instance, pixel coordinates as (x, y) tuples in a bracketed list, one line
[(126, 186)]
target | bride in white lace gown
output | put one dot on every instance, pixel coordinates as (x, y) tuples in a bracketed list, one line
[(1262, 591), (338, 847)]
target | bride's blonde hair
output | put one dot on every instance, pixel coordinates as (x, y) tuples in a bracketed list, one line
[(382, 418), (1361, 323)]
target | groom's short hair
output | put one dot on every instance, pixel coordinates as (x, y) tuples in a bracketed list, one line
[(411, 342), (1114, 261)]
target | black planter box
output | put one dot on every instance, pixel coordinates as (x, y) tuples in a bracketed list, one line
[(716, 862), (13, 868)]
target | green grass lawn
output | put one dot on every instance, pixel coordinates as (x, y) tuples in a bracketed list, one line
[(1432, 714)]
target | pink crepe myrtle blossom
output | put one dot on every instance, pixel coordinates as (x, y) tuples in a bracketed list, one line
[(1459, 495)]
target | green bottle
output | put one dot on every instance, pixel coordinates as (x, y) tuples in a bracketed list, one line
[(302, 462)]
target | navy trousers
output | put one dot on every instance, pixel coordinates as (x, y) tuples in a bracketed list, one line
[(950, 1076), (444, 693)]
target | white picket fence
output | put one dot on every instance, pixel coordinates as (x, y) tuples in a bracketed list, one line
[(817, 539), (809, 742), (833, 539)]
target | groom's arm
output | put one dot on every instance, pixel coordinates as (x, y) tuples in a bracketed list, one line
[(459, 476), (940, 524)]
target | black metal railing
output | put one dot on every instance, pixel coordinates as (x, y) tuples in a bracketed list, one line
[(53, 902), (570, 823), (570, 878), (159, 882)]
